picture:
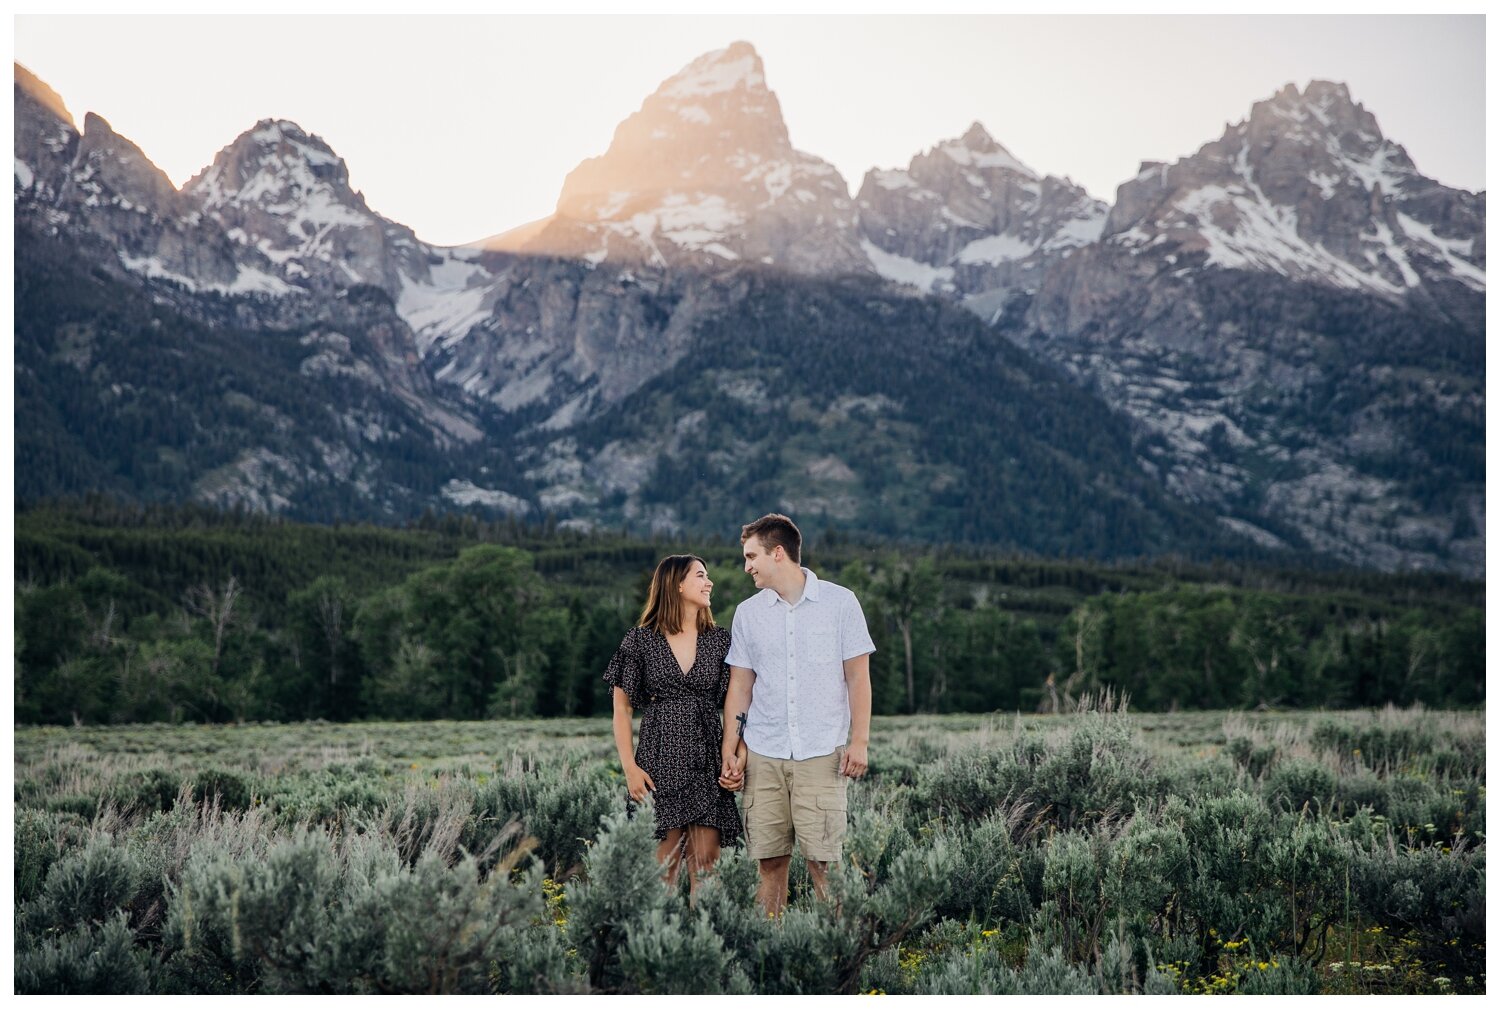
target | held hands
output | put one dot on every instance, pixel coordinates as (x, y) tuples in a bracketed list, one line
[(732, 771), (638, 783), (855, 761)]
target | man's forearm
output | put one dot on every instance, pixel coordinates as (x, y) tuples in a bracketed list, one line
[(857, 678), (736, 707)]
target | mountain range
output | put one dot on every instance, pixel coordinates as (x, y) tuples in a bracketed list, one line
[(1271, 348)]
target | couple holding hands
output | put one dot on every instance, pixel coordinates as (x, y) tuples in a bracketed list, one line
[(792, 679)]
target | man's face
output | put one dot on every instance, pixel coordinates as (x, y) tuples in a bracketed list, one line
[(758, 562)]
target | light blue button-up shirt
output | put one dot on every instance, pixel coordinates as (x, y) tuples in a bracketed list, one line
[(799, 705)]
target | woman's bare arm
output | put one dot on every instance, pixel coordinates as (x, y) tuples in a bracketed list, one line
[(636, 780)]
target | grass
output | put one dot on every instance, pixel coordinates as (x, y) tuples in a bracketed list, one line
[(1394, 797)]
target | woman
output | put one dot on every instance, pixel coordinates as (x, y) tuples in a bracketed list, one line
[(671, 667)]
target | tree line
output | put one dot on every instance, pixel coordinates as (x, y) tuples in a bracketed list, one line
[(170, 614)]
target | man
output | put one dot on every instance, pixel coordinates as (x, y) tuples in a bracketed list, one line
[(799, 688)]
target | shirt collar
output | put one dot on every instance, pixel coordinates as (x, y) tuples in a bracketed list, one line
[(809, 591)]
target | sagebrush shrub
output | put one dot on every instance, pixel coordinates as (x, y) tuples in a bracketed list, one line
[(229, 788), (621, 888), (41, 838), (560, 806), (1149, 865), (989, 881), (329, 797), (144, 791), (1295, 783), (84, 887), (1068, 853), (983, 971), (88, 960)]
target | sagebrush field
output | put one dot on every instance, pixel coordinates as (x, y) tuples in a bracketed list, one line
[(1333, 852)]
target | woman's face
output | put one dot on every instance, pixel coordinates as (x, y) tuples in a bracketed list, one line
[(697, 589)]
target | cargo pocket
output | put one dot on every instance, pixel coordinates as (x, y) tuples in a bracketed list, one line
[(749, 796), (835, 808)]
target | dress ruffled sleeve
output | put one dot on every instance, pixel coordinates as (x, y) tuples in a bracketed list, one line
[(625, 670)]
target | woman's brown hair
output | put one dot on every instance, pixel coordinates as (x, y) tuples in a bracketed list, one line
[(663, 612)]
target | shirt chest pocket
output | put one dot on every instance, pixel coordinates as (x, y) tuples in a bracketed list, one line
[(823, 644)]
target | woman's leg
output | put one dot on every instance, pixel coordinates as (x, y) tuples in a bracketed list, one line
[(702, 850), (669, 853)]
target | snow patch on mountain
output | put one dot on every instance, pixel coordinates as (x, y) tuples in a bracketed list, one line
[(911, 272), (893, 178), (444, 309), (712, 73), (1385, 240), (465, 492), (1377, 170), (1244, 230), (1451, 250), (1079, 231), (290, 133), (997, 158), (694, 221), (776, 177), (996, 249), (248, 281)]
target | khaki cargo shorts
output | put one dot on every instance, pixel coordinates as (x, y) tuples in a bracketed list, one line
[(802, 800)]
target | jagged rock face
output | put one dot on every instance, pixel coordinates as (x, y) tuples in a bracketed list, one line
[(102, 185), (563, 340), (1225, 309), (645, 242), (1308, 188), (1284, 313), (45, 141), (705, 176), (967, 218), (283, 196), (362, 338)]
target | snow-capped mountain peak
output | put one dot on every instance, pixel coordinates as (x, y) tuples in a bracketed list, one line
[(704, 174), (977, 149), (283, 195), (1307, 186), (737, 67), (969, 218), (276, 164)]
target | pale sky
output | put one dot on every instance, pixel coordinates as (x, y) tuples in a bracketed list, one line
[(461, 126)]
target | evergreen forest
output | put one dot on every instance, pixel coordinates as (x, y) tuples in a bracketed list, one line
[(132, 613)]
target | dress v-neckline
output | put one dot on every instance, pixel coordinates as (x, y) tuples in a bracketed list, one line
[(678, 662)]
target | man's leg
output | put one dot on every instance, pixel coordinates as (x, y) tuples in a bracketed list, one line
[(820, 803), (768, 828), (818, 871), (771, 894)]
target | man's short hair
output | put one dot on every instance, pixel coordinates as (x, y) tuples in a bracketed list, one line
[(776, 531)]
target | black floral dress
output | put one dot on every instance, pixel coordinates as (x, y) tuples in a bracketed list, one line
[(681, 727)]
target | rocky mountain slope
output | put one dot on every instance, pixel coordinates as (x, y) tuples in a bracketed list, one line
[(968, 220), (1296, 316), (1276, 342)]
